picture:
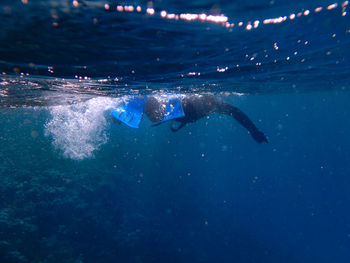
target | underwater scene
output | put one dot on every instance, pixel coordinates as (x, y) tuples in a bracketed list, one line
[(174, 131)]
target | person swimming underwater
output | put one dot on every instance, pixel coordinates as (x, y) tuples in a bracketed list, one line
[(183, 109)]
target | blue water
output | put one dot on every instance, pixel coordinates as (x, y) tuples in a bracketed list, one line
[(78, 187)]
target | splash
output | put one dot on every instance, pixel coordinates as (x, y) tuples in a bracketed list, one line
[(79, 129)]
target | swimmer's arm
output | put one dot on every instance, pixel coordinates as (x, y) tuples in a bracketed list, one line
[(244, 120)]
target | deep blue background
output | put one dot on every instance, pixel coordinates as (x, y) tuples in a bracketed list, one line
[(149, 195)]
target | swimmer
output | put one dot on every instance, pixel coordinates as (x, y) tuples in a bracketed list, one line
[(183, 109)]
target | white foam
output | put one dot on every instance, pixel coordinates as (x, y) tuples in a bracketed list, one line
[(79, 129)]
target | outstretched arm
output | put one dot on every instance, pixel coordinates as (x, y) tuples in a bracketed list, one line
[(244, 120)]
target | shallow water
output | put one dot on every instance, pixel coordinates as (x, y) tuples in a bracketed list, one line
[(79, 187)]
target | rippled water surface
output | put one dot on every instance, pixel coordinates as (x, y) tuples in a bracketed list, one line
[(90, 46), (79, 187)]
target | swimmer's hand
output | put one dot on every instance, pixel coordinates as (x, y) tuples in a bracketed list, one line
[(259, 137)]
